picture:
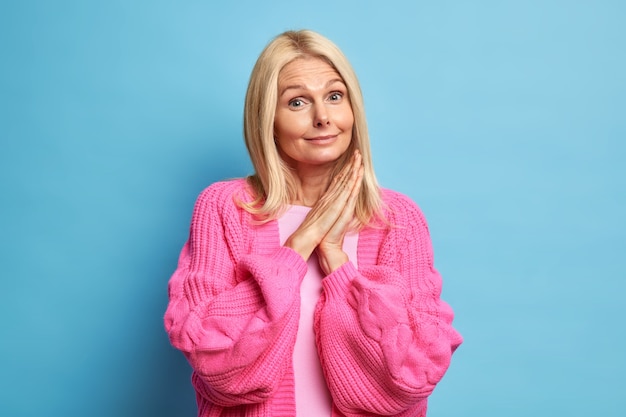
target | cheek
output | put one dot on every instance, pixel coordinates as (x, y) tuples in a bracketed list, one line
[(347, 119), (287, 126)]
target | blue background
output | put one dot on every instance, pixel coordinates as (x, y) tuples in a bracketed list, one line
[(504, 120)]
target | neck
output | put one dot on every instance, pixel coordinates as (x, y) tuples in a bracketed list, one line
[(311, 183)]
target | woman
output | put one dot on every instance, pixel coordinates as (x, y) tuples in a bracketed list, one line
[(306, 289)]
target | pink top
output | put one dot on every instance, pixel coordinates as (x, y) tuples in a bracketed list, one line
[(384, 336), (312, 396)]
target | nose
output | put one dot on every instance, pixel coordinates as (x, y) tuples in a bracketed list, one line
[(320, 118)]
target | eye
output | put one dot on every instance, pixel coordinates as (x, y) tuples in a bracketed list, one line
[(335, 96), (296, 103)]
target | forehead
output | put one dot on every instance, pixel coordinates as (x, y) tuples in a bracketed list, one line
[(307, 70)]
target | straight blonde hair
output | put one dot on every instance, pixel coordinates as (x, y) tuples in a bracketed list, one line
[(273, 184)]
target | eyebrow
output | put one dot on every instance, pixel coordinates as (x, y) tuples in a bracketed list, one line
[(302, 87)]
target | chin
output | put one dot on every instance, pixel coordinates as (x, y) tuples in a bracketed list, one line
[(329, 158)]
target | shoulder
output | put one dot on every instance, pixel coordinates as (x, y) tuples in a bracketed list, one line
[(223, 196), (401, 210), (225, 192)]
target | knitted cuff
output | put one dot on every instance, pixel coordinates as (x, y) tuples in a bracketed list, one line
[(290, 258), (337, 283)]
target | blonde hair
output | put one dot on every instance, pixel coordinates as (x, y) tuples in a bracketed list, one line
[(273, 183)]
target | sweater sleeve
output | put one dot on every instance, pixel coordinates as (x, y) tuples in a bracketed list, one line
[(233, 314), (384, 335)]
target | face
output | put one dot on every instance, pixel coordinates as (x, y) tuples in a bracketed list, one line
[(314, 119)]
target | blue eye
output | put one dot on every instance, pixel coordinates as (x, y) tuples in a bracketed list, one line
[(296, 103), (335, 96)]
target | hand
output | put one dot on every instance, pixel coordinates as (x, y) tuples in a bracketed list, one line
[(335, 206), (330, 249)]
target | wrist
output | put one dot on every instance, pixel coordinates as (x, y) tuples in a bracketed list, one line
[(331, 260), (301, 245)]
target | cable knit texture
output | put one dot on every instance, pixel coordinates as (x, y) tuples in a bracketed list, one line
[(383, 334)]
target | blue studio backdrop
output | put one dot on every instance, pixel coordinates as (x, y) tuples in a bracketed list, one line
[(504, 120)]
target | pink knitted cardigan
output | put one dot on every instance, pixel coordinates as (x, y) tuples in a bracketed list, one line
[(383, 334)]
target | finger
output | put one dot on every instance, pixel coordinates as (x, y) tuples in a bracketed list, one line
[(348, 211), (344, 220), (331, 205), (356, 176), (344, 175), (344, 172), (341, 186)]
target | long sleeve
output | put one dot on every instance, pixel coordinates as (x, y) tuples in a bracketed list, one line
[(384, 335), (233, 311)]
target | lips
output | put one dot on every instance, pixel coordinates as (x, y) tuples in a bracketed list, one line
[(322, 139)]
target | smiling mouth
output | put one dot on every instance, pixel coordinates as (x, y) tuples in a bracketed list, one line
[(321, 138)]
